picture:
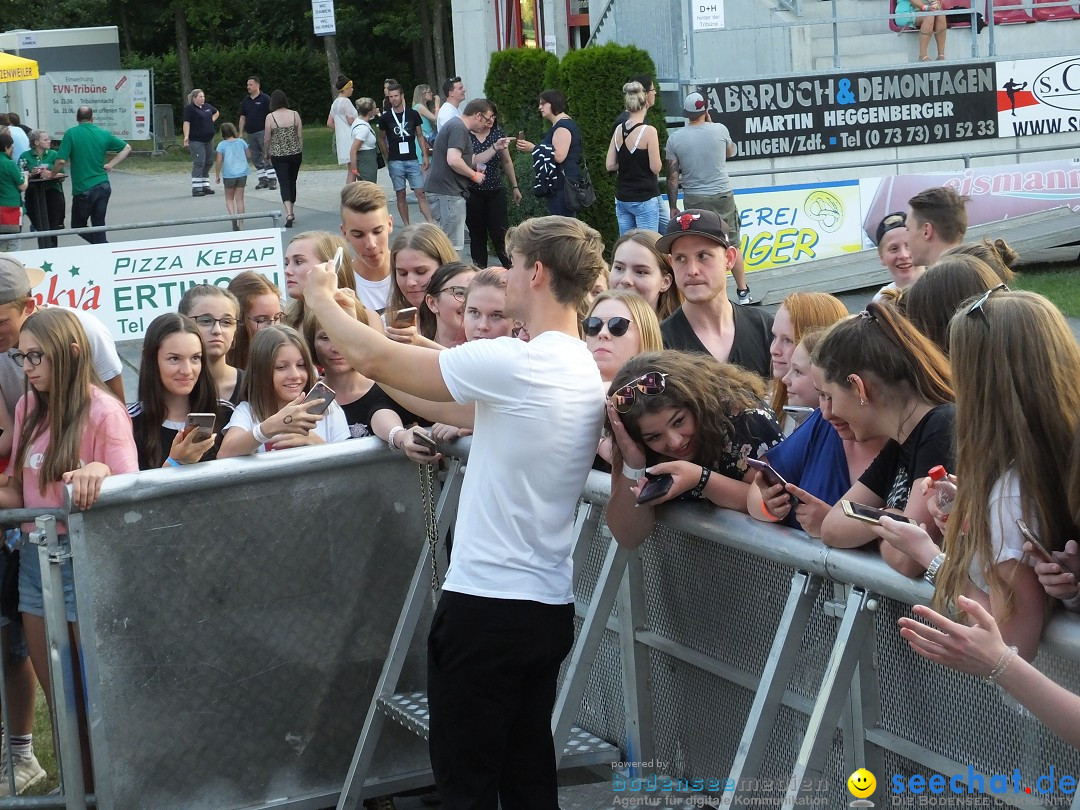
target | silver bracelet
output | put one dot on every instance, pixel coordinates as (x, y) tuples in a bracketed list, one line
[(394, 431), (932, 569), (260, 437), (633, 473), (1002, 665)]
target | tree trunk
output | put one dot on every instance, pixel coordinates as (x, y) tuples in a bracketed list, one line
[(430, 76), (183, 51), (450, 64), (125, 26), (438, 12), (332, 62)]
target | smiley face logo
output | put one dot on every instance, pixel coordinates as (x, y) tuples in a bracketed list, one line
[(861, 783)]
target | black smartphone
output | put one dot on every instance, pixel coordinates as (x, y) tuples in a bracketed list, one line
[(869, 514), (320, 391), (404, 318), (203, 424), (771, 476), (1041, 550), (424, 440), (657, 487)]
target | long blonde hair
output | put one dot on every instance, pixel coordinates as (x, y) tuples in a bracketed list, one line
[(325, 246), (644, 317), (62, 410), (1018, 409)]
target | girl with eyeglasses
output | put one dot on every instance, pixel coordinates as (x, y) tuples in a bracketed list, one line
[(1014, 431), (260, 306), (69, 429), (445, 298), (881, 379), (216, 312), (175, 380), (691, 417), (273, 414)]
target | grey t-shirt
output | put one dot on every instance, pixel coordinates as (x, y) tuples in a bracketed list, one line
[(442, 179), (702, 154)]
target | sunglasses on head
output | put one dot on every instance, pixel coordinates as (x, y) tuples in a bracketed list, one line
[(617, 326), (976, 309), (648, 384)]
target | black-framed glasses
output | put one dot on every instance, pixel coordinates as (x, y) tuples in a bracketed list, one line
[(617, 325), (208, 321), (976, 309), (34, 358), (263, 320), (648, 384), (456, 291)]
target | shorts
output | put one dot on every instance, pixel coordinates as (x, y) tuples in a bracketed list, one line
[(400, 169), (30, 596), (722, 204), (235, 182)]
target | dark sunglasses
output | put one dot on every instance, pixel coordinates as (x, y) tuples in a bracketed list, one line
[(617, 326), (976, 309), (648, 384)]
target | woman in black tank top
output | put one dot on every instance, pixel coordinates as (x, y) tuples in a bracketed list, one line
[(634, 152)]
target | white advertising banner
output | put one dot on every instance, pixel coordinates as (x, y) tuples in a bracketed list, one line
[(1038, 96), (128, 284), (120, 100)]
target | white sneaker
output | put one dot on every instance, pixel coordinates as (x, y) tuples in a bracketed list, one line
[(28, 772)]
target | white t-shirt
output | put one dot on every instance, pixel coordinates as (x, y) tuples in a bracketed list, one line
[(102, 349), (362, 131), (1004, 509), (333, 428), (446, 112), (373, 294), (539, 409)]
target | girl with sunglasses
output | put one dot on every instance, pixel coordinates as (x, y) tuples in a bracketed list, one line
[(69, 429), (688, 416), (260, 306), (1014, 431), (174, 381), (619, 325), (273, 414), (216, 312), (881, 379)]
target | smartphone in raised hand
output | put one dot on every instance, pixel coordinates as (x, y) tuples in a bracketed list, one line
[(404, 318), (1039, 549), (323, 393)]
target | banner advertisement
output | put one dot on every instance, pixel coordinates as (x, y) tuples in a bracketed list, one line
[(994, 192), (128, 284), (1038, 96), (783, 225), (820, 114), (120, 100)]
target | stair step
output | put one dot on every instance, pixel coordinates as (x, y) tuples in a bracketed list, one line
[(410, 709)]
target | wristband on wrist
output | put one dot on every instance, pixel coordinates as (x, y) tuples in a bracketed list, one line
[(1072, 602), (633, 473), (768, 514), (172, 462), (258, 434), (394, 431), (700, 488)]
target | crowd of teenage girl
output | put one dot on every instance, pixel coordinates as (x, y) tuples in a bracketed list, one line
[(859, 408)]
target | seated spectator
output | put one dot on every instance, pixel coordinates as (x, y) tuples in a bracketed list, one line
[(415, 253), (886, 381), (273, 414), (1014, 430), (707, 322), (932, 300), (798, 313), (820, 459), (216, 312), (637, 265), (998, 254), (173, 382), (260, 306), (687, 416), (917, 14), (316, 247), (895, 255), (485, 305), (445, 299)]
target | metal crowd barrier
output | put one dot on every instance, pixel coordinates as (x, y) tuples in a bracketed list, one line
[(236, 618), (274, 217)]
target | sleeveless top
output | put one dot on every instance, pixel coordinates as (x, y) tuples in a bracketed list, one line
[(571, 165), (284, 141), (636, 181)]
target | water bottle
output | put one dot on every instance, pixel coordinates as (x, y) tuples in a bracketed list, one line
[(946, 490)]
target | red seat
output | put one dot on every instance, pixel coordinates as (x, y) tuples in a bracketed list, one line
[(961, 20), (1009, 12), (1042, 12)]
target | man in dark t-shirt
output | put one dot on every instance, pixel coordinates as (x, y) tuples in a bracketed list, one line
[(253, 111), (707, 322), (399, 130)]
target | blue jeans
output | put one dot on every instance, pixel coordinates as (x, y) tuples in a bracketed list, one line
[(91, 204), (644, 215)]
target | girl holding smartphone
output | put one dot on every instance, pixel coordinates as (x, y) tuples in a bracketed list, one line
[(273, 414), (416, 252)]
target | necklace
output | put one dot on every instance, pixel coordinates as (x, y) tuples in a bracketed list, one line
[(900, 428)]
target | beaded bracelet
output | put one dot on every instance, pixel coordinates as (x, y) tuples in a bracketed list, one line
[(1002, 665), (700, 488), (394, 431)]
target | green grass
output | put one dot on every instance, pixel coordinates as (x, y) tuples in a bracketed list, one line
[(1059, 281), (43, 748), (319, 150)]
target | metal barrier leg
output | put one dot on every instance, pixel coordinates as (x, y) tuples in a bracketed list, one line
[(584, 652), (637, 696), (585, 526), (857, 623), (58, 640), (783, 656), (864, 712)]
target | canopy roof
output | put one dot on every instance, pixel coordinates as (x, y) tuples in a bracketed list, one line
[(16, 69)]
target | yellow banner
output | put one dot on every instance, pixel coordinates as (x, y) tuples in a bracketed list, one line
[(16, 69)]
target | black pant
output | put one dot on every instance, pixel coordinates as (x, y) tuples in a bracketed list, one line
[(287, 168), (485, 215), (493, 667), (92, 204), (50, 202)]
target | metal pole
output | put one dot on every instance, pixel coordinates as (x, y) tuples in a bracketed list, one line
[(162, 223), (835, 36)]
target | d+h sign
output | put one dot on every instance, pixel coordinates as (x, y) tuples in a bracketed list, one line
[(708, 14)]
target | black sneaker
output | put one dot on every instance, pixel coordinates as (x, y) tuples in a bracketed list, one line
[(272, 185), (744, 297), (261, 184), (208, 190), (197, 192)]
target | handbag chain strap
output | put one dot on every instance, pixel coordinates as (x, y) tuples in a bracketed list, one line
[(431, 525)]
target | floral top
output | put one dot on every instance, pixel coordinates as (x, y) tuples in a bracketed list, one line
[(493, 174), (756, 431)]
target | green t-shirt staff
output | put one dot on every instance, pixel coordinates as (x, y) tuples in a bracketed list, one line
[(12, 179), (84, 146), (45, 160)]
